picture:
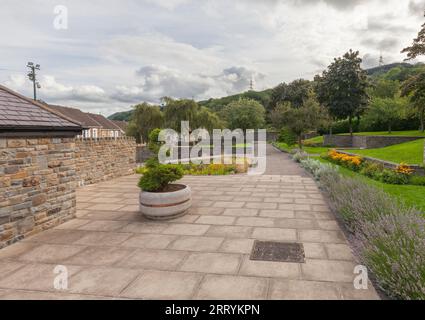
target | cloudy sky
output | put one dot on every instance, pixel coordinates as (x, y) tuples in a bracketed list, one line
[(116, 53)]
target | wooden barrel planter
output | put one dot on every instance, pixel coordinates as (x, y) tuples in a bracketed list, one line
[(169, 204)]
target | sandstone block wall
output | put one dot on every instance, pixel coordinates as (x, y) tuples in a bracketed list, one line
[(103, 159), (37, 185)]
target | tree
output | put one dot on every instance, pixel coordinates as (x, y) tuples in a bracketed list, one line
[(176, 111), (342, 88), (309, 116), (387, 110), (418, 46), (145, 118), (386, 106), (295, 93), (244, 114), (207, 120), (414, 88)]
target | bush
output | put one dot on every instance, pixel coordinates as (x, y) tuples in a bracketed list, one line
[(158, 176), (299, 156), (372, 169), (417, 180), (393, 248), (320, 170), (392, 177), (358, 202), (287, 137), (390, 235)]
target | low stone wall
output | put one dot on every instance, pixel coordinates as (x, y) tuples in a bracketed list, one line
[(104, 159), (365, 142), (37, 185), (419, 170)]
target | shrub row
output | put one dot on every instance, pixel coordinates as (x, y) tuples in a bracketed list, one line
[(401, 175), (390, 235)]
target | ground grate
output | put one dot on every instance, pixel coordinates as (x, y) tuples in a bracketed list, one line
[(277, 251)]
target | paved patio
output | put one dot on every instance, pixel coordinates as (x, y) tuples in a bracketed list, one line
[(112, 252)]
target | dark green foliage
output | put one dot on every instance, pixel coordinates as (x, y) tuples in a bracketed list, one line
[(286, 136), (144, 119), (417, 180), (244, 114), (342, 88), (217, 105), (159, 176), (295, 93), (372, 169)]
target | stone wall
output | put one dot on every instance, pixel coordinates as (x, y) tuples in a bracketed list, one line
[(37, 185), (365, 142), (104, 159)]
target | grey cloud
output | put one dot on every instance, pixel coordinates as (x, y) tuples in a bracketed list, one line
[(387, 44), (240, 77), (337, 4), (417, 8)]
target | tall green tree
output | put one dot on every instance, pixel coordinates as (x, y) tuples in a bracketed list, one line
[(414, 88), (145, 118), (244, 114), (309, 116), (342, 88), (386, 106), (295, 93), (418, 46), (176, 111), (207, 120)]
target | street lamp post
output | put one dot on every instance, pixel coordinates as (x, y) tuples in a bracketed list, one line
[(32, 75)]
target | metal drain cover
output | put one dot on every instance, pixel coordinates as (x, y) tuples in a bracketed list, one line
[(277, 251)]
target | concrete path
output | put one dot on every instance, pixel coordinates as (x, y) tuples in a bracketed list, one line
[(111, 251)]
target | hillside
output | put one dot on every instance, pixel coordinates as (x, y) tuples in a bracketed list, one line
[(393, 71), (214, 104)]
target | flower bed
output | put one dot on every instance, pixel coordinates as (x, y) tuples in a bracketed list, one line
[(401, 174), (389, 236)]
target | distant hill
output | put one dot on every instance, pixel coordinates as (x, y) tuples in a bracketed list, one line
[(396, 71), (121, 116), (393, 71), (214, 104)]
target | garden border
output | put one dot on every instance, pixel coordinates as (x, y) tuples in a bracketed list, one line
[(418, 169)]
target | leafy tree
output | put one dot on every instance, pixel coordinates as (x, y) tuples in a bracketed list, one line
[(386, 107), (295, 93), (418, 46), (387, 110), (342, 88), (244, 114), (207, 120), (309, 116), (145, 118), (176, 111), (414, 88)]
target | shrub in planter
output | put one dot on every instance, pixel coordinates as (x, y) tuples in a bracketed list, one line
[(393, 248), (158, 177)]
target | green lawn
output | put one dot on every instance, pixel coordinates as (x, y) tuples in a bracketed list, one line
[(409, 152), (385, 133), (309, 150), (412, 195)]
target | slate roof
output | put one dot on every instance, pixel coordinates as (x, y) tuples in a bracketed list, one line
[(106, 124), (77, 115), (122, 124), (18, 112)]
